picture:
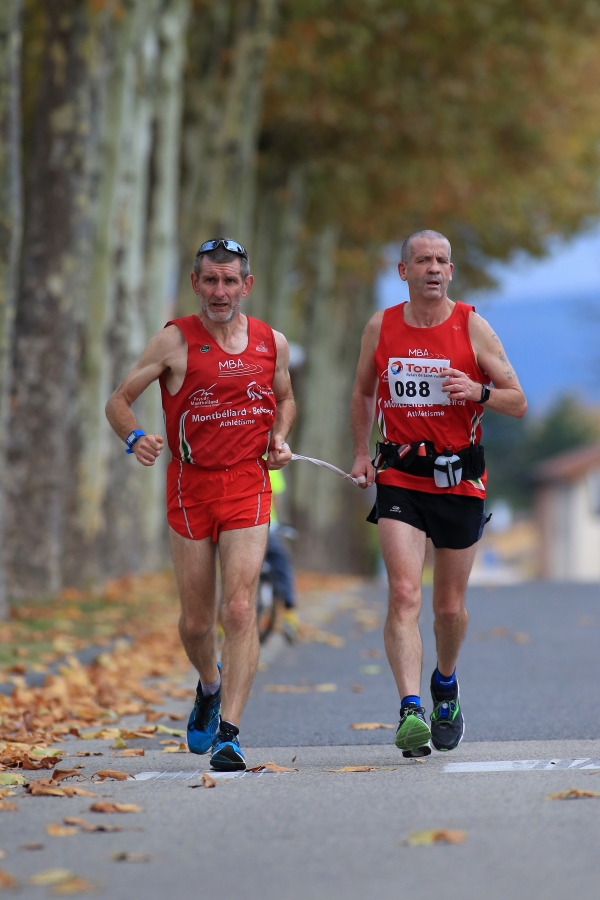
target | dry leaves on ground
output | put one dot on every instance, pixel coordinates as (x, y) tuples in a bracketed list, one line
[(573, 794), (354, 769), (8, 806), (107, 806), (74, 885), (113, 774), (435, 836), (357, 688), (7, 881), (129, 754), (180, 748), (55, 829), (206, 781), (70, 790), (123, 856), (44, 788), (61, 774), (50, 876), (370, 726), (270, 767)]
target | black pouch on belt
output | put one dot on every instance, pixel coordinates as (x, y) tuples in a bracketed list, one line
[(405, 458)]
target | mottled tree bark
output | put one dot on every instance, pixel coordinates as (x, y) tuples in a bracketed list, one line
[(224, 88), (10, 221), (43, 431)]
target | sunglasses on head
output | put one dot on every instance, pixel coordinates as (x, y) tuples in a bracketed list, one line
[(232, 246)]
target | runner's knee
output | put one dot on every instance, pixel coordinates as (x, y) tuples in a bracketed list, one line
[(238, 613), (405, 598), (450, 613), (194, 625)]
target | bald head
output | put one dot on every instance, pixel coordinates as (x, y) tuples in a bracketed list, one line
[(406, 251)]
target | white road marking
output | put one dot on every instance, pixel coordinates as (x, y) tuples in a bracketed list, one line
[(522, 765), (187, 776)]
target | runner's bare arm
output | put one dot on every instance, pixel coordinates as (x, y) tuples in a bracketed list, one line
[(154, 361), (279, 452), (362, 406), (507, 395)]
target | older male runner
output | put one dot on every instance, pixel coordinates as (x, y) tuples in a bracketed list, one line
[(425, 367), (227, 400)]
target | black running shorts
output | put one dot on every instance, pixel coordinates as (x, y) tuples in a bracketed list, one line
[(451, 521)]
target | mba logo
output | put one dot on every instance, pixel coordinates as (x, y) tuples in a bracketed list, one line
[(418, 352), (231, 367)]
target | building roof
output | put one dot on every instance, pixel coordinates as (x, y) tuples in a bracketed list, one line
[(569, 466)]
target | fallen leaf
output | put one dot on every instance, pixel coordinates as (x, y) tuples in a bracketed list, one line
[(123, 856), (50, 876), (103, 774), (520, 637), (293, 759), (573, 794), (270, 767), (370, 726), (11, 778), (164, 729), (119, 744), (87, 753), (176, 717), (287, 688), (353, 769), (169, 741), (180, 748), (6, 792), (7, 880), (69, 790), (207, 780), (87, 826), (31, 847), (55, 829), (357, 688), (74, 885), (8, 806), (370, 670), (61, 774), (327, 688), (106, 806), (43, 788), (435, 836), (131, 752)]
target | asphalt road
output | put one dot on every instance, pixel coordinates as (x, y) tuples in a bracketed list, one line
[(316, 833)]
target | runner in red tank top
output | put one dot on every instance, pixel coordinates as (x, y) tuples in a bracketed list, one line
[(424, 369), (227, 401)]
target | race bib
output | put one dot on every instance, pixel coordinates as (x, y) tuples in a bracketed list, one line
[(417, 382)]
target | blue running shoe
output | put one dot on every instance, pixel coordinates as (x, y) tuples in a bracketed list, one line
[(204, 720), (226, 753)]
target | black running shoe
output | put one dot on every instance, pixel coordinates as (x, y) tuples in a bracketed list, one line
[(413, 734), (447, 723), (204, 720)]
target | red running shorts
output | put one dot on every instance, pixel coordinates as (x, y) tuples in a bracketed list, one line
[(202, 503)]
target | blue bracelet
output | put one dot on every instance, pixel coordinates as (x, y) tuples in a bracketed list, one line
[(132, 437)]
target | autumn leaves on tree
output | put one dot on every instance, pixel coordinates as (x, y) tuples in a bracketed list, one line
[(316, 133)]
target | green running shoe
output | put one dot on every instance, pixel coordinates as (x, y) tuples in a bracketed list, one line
[(447, 722), (413, 733)]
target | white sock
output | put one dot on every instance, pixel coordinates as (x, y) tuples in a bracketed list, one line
[(208, 689)]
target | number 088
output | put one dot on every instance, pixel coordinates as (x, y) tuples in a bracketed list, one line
[(411, 388)]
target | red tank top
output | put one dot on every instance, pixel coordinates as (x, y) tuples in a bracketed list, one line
[(225, 408), (411, 357)]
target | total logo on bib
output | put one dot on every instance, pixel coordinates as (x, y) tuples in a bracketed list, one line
[(417, 382)]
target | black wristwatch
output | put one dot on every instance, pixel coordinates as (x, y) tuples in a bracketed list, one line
[(485, 393)]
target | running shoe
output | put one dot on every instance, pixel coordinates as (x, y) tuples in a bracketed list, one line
[(413, 734), (204, 720), (226, 753), (289, 626), (447, 723)]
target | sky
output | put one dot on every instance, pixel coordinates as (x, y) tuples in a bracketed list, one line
[(546, 313)]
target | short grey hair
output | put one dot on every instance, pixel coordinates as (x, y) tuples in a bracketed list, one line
[(406, 251), (221, 255)]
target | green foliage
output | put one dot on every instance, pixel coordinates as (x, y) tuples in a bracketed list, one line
[(513, 447)]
